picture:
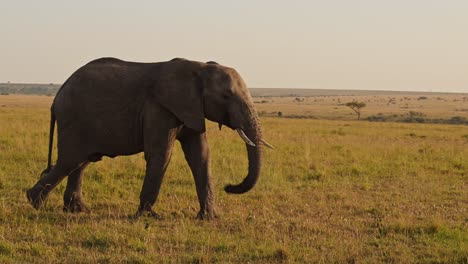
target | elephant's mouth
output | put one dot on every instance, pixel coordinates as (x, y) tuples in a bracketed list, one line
[(226, 121)]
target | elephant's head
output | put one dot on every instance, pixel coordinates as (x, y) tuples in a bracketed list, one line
[(227, 101), (221, 95)]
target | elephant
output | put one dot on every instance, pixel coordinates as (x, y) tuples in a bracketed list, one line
[(110, 107)]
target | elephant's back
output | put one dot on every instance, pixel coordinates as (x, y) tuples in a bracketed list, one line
[(104, 89)]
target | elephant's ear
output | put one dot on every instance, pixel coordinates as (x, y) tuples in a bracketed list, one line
[(181, 94)]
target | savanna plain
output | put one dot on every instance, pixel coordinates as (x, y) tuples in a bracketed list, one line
[(334, 190)]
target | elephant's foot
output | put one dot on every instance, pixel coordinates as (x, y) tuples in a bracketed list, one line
[(37, 196), (207, 214), (147, 211), (151, 214), (75, 205)]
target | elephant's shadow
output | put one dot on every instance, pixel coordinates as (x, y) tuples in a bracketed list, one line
[(96, 216)]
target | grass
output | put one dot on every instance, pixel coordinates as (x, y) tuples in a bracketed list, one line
[(331, 192)]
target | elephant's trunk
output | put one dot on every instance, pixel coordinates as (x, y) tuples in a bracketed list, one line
[(254, 154)]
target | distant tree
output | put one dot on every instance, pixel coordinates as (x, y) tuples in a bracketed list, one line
[(280, 114), (356, 107)]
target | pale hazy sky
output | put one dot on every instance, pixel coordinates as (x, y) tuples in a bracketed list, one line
[(348, 44)]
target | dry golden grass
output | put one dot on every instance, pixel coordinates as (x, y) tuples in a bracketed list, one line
[(25, 101), (331, 192)]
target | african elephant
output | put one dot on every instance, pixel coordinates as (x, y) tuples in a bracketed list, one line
[(111, 107)]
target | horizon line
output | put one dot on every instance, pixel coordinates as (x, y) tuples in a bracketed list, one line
[(285, 88)]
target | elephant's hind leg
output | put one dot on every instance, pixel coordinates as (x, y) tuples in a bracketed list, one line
[(39, 192), (72, 199)]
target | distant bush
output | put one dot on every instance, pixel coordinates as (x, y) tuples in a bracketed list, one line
[(459, 120), (300, 116), (415, 136), (418, 117), (416, 113), (414, 117), (422, 98), (377, 118)]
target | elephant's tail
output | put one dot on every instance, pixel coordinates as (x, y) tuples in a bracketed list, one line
[(51, 139)]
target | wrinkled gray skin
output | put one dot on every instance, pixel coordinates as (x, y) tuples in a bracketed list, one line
[(111, 107)]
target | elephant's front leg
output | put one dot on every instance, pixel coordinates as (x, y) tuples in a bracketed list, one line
[(197, 154)]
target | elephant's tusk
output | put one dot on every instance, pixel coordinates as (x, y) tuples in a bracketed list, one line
[(266, 143), (244, 137)]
